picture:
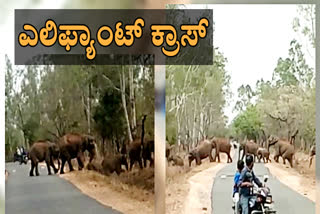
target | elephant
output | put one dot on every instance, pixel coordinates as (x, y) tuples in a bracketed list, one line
[(73, 145), (311, 154), (222, 145), (95, 166), (135, 148), (147, 151), (168, 150), (203, 150), (177, 160), (113, 164), (283, 148), (250, 148), (264, 154), (43, 150)]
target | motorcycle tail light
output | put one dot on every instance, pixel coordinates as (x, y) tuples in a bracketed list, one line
[(269, 199)]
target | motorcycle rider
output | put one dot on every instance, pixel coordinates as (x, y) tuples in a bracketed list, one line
[(240, 166), (235, 194), (18, 151), (245, 183)]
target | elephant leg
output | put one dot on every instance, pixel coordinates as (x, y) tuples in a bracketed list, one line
[(53, 166), (58, 160), (229, 157), (210, 157), (118, 170), (218, 155), (140, 163), (80, 163), (284, 160), (70, 165), (48, 167), (198, 161), (37, 171), (310, 162), (145, 162), (80, 160), (32, 168), (290, 161), (131, 164), (63, 161)]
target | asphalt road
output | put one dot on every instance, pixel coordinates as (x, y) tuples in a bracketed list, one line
[(46, 194), (286, 201)]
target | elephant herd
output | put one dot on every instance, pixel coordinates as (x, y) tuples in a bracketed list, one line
[(202, 151), (282, 148), (70, 146), (73, 146)]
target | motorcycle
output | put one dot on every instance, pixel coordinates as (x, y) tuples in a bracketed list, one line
[(260, 203), (21, 158), (24, 159)]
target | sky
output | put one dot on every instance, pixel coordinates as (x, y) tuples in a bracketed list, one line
[(252, 38)]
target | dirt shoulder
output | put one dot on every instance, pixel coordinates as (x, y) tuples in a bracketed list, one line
[(188, 189), (130, 193), (300, 178)]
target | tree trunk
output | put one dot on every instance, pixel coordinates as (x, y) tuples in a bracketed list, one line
[(124, 105), (132, 97), (89, 108), (194, 124), (178, 131)]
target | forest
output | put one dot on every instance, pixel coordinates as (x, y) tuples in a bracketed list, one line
[(48, 101), (196, 96)]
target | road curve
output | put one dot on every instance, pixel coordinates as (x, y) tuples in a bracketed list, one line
[(287, 201), (46, 194)]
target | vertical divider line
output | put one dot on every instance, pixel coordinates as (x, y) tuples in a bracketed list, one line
[(160, 127), (317, 107)]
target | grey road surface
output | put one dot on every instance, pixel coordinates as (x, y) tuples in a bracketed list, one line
[(286, 200), (46, 194)]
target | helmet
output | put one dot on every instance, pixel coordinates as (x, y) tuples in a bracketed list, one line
[(240, 165), (249, 159)]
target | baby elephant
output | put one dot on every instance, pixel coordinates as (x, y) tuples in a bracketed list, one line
[(113, 164), (311, 154), (177, 160), (95, 166), (264, 154)]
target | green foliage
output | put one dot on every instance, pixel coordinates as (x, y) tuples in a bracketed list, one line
[(294, 69), (195, 98), (46, 102), (280, 106), (247, 123), (109, 118)]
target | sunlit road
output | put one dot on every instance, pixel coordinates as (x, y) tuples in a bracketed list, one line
[(286, 200), (46, 194)]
